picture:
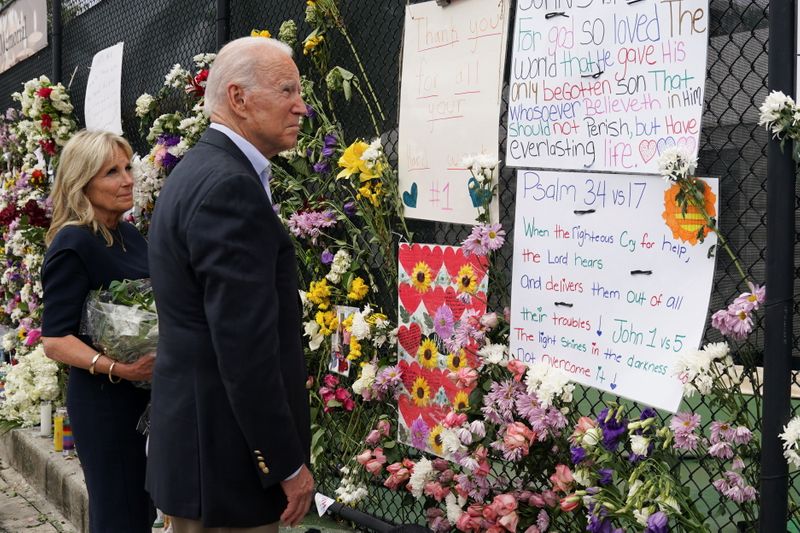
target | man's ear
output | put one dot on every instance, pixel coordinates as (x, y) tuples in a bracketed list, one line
[(236, 99)]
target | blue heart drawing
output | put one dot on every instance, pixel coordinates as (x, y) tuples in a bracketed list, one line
[(613, 386), (410, 197), (479, 196)]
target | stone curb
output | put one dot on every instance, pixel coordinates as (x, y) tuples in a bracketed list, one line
[(60, 480)]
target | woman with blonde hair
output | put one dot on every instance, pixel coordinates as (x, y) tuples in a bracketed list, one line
[(88, 247)]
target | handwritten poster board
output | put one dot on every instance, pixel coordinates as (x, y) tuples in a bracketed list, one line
[(450, 97), (23, 31), (610, 283), (102, 103), (437, 287), (605, 85)]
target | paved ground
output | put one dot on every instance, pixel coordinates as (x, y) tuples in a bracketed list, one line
[(23, 510)]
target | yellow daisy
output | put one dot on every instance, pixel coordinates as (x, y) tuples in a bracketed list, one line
[(457, 360), (420, 392), (467, 281), (311, 43), (435, 439), (327, 321), (358, 289), (260, 33), (421, 277), (428, 354)]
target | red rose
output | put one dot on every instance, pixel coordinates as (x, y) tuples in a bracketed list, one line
[(44, 92), (49, 146)]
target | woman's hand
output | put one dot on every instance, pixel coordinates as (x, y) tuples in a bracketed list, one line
[(139, 370)]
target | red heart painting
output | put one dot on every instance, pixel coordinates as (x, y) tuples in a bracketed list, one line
[(433, 300), (410, 338), (409, 297), (432, 414), (455, 305), (411, 254)]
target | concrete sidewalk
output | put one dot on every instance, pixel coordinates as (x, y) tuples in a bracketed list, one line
[(52, 484)]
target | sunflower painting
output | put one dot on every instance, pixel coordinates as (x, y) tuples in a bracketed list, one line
[(437, 285)]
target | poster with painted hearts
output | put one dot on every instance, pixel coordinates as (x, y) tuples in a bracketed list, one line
[(602, 87), (438, 288)]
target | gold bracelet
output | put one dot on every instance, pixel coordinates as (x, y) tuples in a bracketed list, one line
[(94, 362), (110, 377)]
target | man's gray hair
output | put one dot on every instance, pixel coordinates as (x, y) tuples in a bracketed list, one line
[(237, 62)]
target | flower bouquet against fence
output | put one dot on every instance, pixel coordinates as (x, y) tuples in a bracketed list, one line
[(122, 320)]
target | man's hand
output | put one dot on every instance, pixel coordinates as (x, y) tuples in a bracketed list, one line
[(299, 490)]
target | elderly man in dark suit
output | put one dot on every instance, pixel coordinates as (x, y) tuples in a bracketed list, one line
[(230, 423)]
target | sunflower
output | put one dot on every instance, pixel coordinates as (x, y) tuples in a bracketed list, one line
[(428, 354), (421, 277), (421, 392), (467, 282), (435, 439), (456, 360), (461, 401)]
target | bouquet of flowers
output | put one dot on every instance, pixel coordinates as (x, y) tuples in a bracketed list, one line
[(122, 320)]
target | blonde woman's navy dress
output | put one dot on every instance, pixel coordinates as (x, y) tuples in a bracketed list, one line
[(103, 415)]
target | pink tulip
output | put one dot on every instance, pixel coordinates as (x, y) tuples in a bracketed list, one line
[(570, 503)]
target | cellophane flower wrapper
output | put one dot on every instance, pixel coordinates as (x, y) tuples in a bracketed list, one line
[(122, 331)]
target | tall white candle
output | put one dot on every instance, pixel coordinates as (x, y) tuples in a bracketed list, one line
[(46, 419)]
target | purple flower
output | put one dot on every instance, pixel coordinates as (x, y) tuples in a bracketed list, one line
[(721, 431), (309, 224), (606, 475), (648, 412), (310, 111), (168, 139), (577, 454), (329, 145), (751, 300), (498, 403), (349, 209), (683, 426), (598, 521), (322, 167), (613, 429), (419, 433), (657, 523), (721, 450), (443, 321), (327, 257), (734, 487), (543, 520)]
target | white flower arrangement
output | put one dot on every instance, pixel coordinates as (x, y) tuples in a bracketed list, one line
[(340, 265), (423, 472), (697, 369), (548, 384), (34, 379), (676, 163), (791, 441)]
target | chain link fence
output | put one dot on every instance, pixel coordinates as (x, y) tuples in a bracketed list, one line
[(161, 33)]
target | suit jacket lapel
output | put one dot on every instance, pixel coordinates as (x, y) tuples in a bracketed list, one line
[(220, 140)]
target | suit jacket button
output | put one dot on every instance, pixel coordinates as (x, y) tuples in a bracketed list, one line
[(262, 465), (257, 452), (265, 470), (259, 458)]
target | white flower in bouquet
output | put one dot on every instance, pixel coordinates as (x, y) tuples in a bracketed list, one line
[(9, 341), (451, 443), (202, 61), (772, 107), (144, 104), (454, 509), (641, 515), (493, 353), (423, 472), (582, 477), (360, 327), (176, 77), (366, 379), (639, 445), (340, 265), (33, 380), (634, 488), (312, 331), (676, 163), (373, 152), (791, 441), (548, 384), (668, 504)]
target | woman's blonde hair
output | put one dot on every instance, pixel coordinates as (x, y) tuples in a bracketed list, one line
[(82, 158)]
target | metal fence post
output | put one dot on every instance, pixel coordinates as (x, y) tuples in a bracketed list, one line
[(223, 22), (55, 42), (780, 278)]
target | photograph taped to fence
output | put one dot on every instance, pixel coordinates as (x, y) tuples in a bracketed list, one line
[(605, 87), (610, 282)]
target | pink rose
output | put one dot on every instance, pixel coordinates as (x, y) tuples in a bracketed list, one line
[(584, 424), (562, 479), (33, 336), (489, 320), (518, 368), (464, 378), (373, 437), (349, 404), (509, 521), (550, 498), (518, 436), (342, 394), (440, 465), (374, 467), (330, 381), (436, 491), (364, 456), (536, 500), (384, 427), (468, 523), (454, 419), (490, 513), (504, 504), (533, 529)]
